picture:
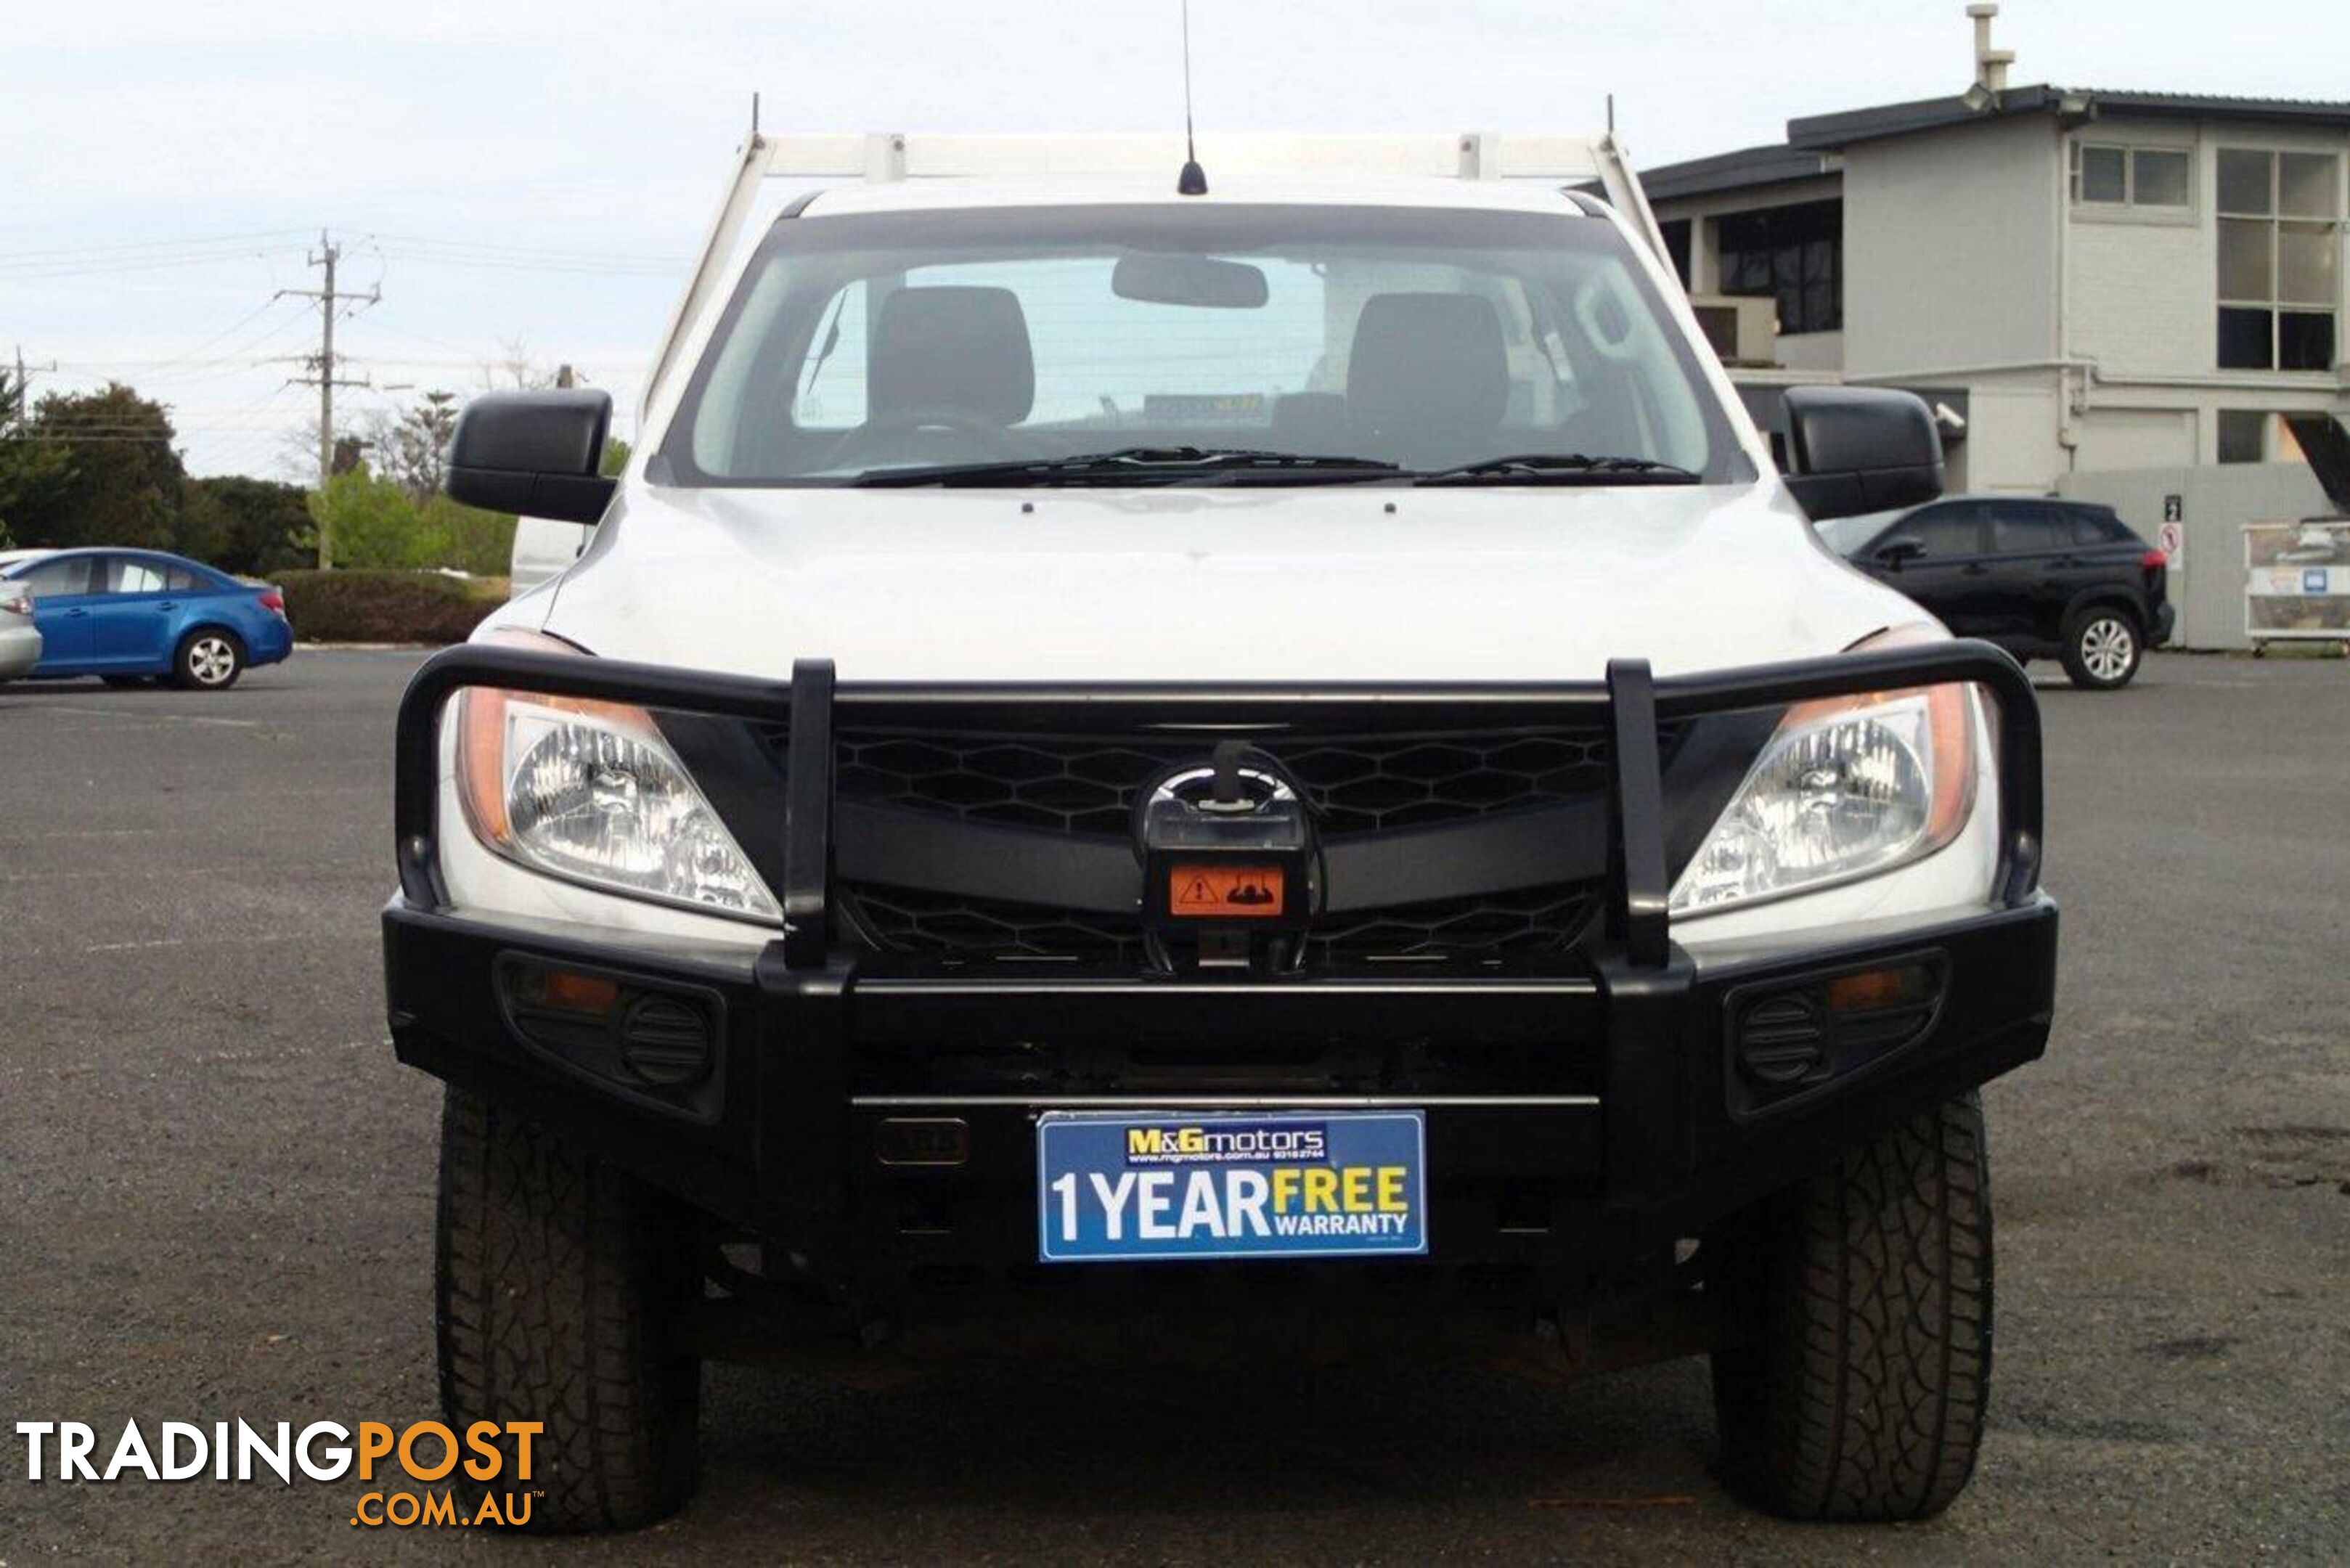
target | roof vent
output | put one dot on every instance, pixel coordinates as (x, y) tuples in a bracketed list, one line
[(1990, 64)]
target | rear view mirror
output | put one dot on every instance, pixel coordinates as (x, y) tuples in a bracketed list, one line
[(1899, 548), (1203, 282), (533, 453), (1852, 449)]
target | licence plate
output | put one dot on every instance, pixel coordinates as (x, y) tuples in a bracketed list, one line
[(1131, 1186)]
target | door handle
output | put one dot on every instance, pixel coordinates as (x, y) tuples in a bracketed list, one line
[(1976, 569), (76, 611), (167, 605)]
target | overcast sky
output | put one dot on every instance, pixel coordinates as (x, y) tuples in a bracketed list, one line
[(535, 173)]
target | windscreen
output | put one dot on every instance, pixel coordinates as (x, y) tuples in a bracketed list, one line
[(1417, 339)]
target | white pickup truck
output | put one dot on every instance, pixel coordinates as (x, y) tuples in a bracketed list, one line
[(1271, 769)]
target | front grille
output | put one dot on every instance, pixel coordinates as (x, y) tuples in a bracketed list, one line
[(1088, 784), (1491, 929), (911, 921), (1529, 923)]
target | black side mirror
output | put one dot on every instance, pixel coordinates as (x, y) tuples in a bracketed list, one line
[(533, 453), (1852, 449), (1901, 547)]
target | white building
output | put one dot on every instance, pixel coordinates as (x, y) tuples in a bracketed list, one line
[(2093, 281)]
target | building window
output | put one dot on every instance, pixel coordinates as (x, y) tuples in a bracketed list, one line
[(2131, 176), (2244, 435), (1677, 246), (1795, 254), (2279, 259)]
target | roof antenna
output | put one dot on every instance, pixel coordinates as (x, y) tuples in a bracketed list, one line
[(1193, 180)]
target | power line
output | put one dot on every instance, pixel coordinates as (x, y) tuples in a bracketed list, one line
[(182, 371), (506, 248), (149, 244), (34, 271), (527, 265), (223, 335)]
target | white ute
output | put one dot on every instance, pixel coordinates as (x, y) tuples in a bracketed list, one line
[(1293, 731)]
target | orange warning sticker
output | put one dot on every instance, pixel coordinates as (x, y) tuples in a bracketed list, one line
[(1224, 892)]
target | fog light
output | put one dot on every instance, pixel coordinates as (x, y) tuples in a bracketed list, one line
[(664, 1041), (639, 1034), (1790, 1037), (1783, 1040)]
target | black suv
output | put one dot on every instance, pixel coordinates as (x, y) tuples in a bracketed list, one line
[(2036, 577)]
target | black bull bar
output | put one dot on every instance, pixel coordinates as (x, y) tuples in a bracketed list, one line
[(781, 1162)]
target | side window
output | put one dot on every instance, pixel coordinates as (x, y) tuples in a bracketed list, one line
[(125, 574), (2090, 526), (180, 580), (1946, 532), (2015, 530), (57, 580)]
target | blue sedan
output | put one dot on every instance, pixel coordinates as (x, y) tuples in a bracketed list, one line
[(129, 615)]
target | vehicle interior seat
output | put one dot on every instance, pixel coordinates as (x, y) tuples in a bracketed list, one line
[(948, 372), (1428, 380)]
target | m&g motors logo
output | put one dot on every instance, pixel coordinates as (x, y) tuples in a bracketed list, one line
[(1244, 1143)]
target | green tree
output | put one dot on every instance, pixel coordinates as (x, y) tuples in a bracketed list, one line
[(377, 526), (410, 448), (36, 471), (120, 482), (469, 539), (373, 523), (615, 457), (251, 526)]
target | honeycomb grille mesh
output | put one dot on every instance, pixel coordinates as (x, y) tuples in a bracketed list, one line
[(1088, 785)]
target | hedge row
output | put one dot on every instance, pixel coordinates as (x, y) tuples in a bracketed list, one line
[(383, 607)]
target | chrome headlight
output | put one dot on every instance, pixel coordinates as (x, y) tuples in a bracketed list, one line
[(591, 792), (1847, 788)]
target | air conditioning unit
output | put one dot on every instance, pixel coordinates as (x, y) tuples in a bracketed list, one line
[(1744, 330)]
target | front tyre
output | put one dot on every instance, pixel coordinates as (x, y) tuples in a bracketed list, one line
[(208, 659), (1859, 1310), (560, 1283), (2102, 648)]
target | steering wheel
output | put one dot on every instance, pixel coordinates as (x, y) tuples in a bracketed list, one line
[(997, 440)]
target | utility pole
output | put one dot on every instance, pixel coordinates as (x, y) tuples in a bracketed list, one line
[(23, 375), (326, 381)]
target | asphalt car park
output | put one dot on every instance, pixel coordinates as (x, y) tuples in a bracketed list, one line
[(218, 1201)]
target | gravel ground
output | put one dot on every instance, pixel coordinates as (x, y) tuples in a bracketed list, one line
[(216, 1187)]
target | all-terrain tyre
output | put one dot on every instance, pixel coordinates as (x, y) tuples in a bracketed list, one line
[(560, 1282), (1858, 1309), (2103, 647)]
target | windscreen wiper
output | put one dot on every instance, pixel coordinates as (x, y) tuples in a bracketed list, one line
[(1560, 468), (1135, 464)]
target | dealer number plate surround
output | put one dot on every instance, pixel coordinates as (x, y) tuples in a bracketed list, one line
[(1136, 1186)]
